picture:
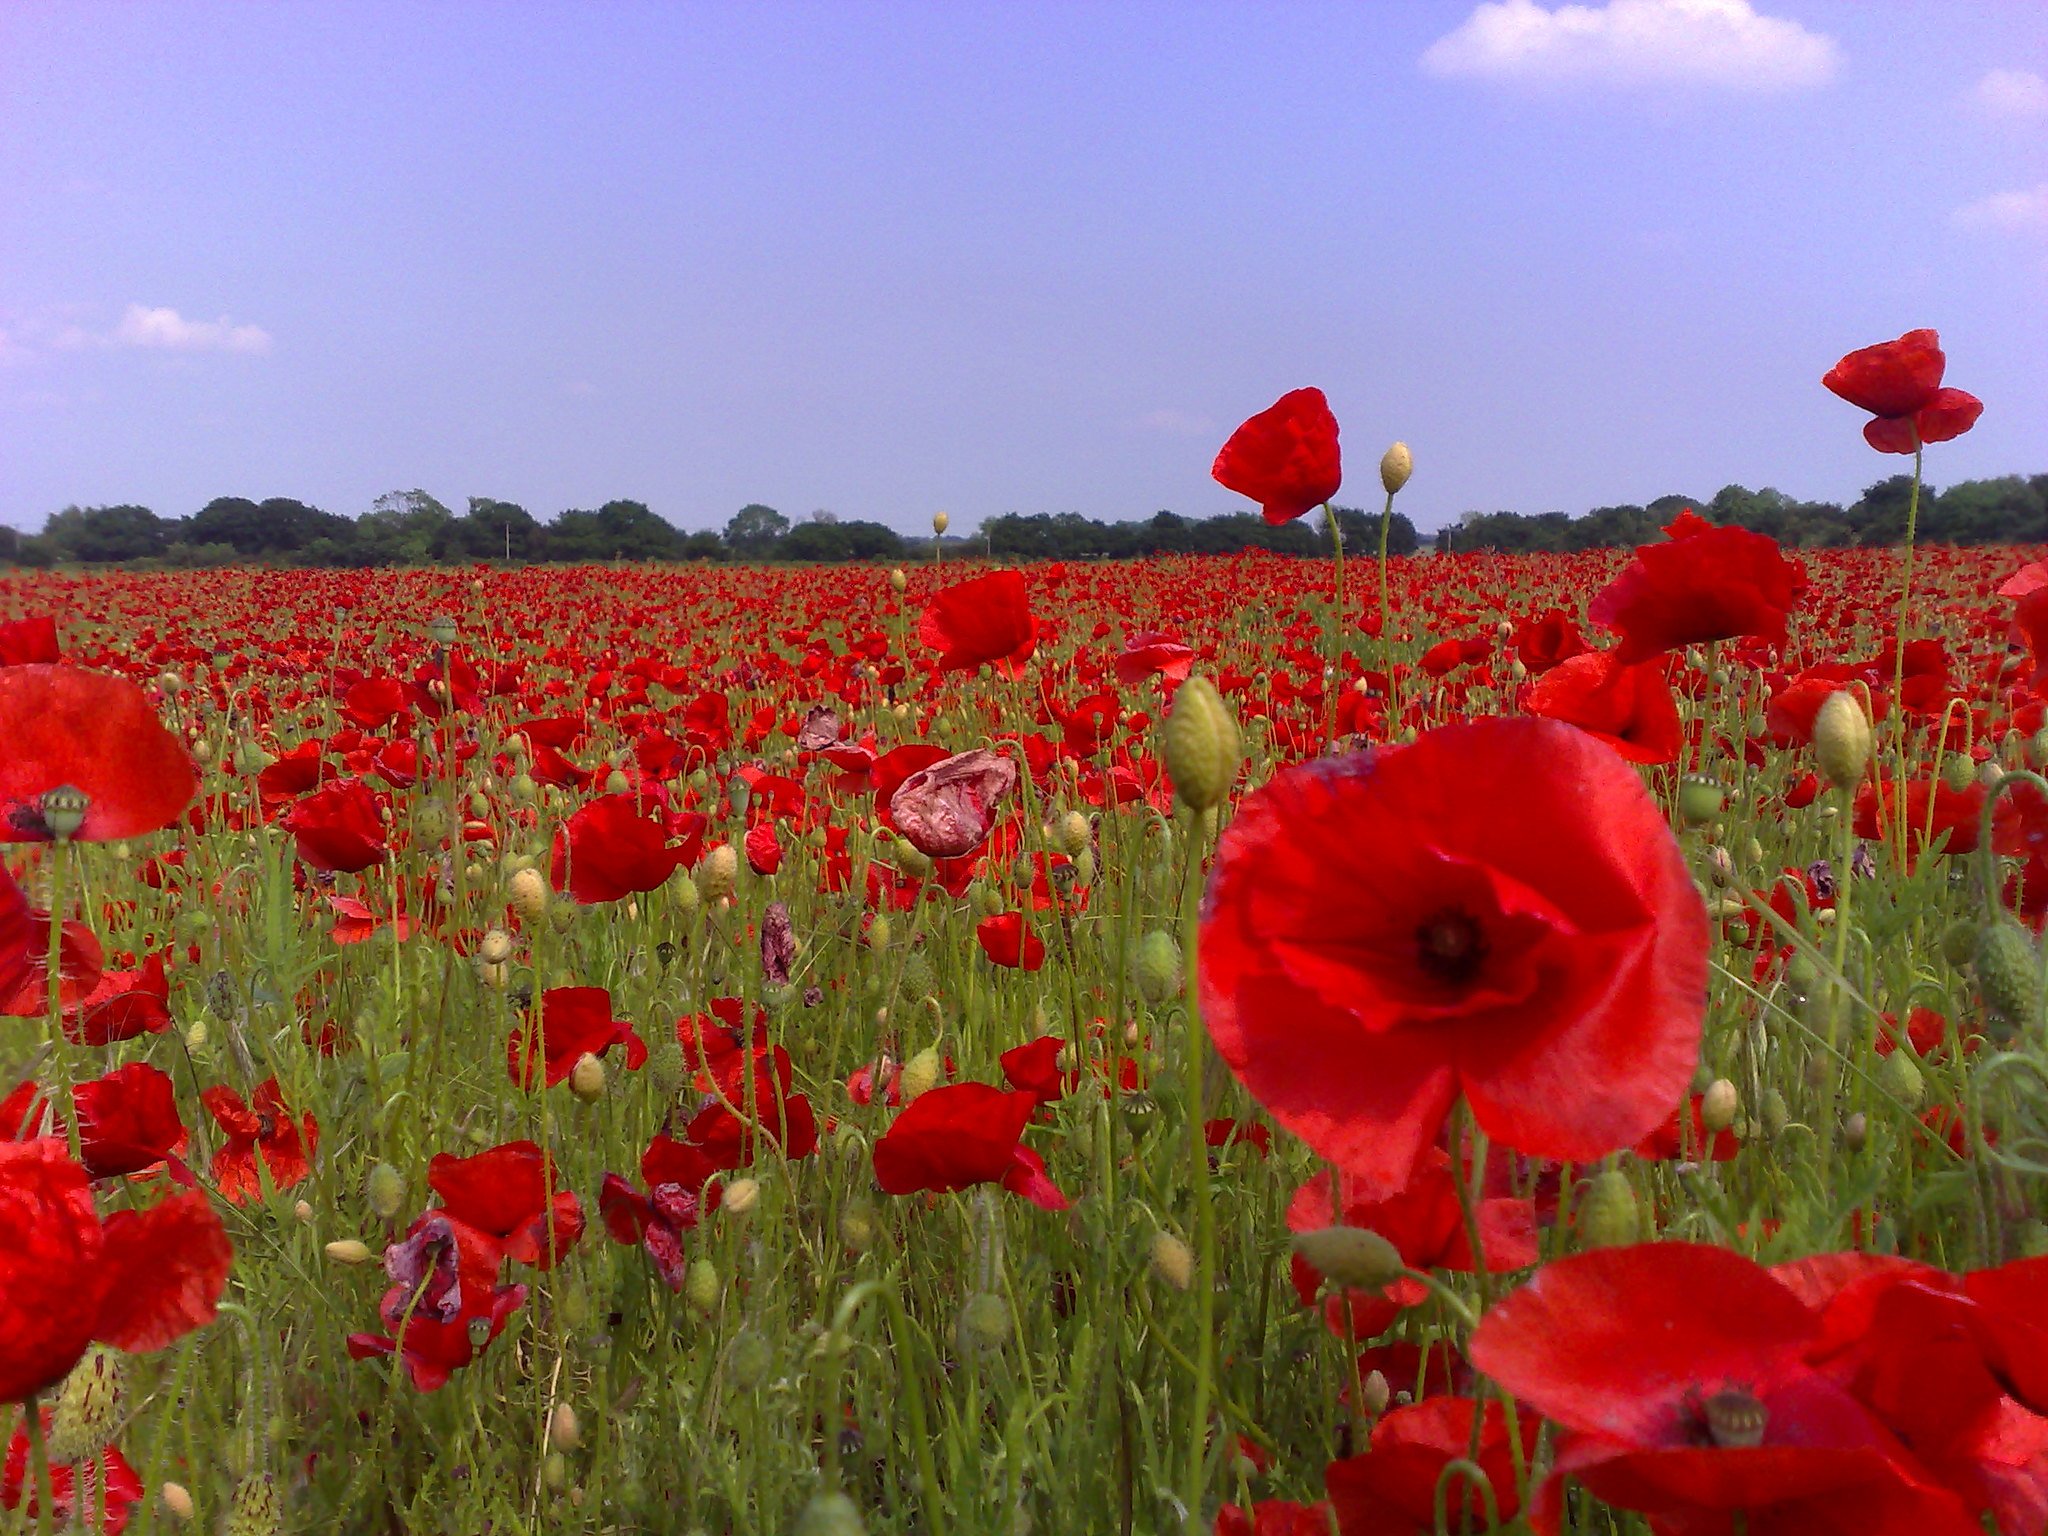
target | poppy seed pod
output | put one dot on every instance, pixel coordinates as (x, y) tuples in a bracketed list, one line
[(1396, 465), (87, 1414), (719, 872), (1350, 1258), (1173, 1261), (1201, 744)]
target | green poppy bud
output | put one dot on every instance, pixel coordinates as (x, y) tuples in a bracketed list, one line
[(1841, 739), (1608, 1217), (1201, 744), (1351, 1258), (2008, 970)]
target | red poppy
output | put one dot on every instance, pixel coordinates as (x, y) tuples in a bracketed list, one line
[(1680, 1372), (1704, 583), (1523, 930), (1035, 1069), (1274, 1517), (1544, 641), (729, 1130), (1392, 1489), (445, 1306), (570, 1022), (127, 1121), (945, 811), (111, 1487), (137, 1281), (508, 1193), (339, 828), (1934, 813), (93, 732), (985, 620), (27, 642), (17, 936), (956, 1137), (1628, 707), (764, 849), (1285, 458), (1008, 940), (123, 1005), (1145, 654), (608, 850), (263, 1131), (681, 1187), (1899, 383)]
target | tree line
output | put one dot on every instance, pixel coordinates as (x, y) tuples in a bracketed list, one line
[(413, 528)]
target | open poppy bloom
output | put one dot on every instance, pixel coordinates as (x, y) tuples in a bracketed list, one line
[(1285, 458), (127, 1121), (1499, 910), (339, 828), (945, 811), (138, 1280), (681, 1187), (608, 850), (1899, 383), (1682, 1375), (965, 1134), (109, 1485), (570, 1023), (261, 1129), (122, 1005), (97, 734), (1703, 583), (985, 620), (1008, 940), (1392, 1489), (508, 1193), (1629, 707)]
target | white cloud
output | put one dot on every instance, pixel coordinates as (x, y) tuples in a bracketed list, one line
[(1176, 423), (2007, 211), (166, 329), (1635, 42), (2015, 93)]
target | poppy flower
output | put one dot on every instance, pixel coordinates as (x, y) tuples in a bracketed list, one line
[(127, 1121), (17, 936), (445, 1306), (1629, 707), (1703, 583), (608, 850), (965, 1134), (1899, 383), (1274, 1517), (1541, 642), (26, 642), (1285, 458), (111, 1487), (1681, 1373), (1392, 1489), (764, 849), (945, 811), (985, 620), (259, 1130), (729, 1130), (137, 1280), (1499, 910), (93, 732), (339, 828), (123, 1005), (1008, 940), (681, 1187), (570, 1022), (1146, 654), (1034, 1068), (507, 1193)]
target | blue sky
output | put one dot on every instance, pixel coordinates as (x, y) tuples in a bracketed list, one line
[(885, 259)]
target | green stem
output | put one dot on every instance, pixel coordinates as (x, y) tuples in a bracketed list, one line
[(39, 1464), (1336, 678), (1899, 646), (1198, 1168)]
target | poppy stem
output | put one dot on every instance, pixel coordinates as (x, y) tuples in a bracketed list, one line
[(1336, 678), (1899, 646), (60, 1044), (1198, 1168), (39, 1463)]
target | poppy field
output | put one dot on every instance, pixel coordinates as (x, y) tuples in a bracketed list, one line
[(1252, 1045)]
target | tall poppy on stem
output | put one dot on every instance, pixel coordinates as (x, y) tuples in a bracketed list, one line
[(95, 733)]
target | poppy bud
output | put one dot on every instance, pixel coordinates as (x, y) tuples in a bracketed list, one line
[(1173, 1261), (879, 932), (87, 1413), (524, 789), (1841, 739), (749, 1358), (984, 1325), (348, 1250), (1156, 967), (702, 1287), (2008, 970), (1719, 1106), (718, 873), (897, 580), (586, 1078), (178, 1502), (830, 1514), (1958, 773), (917, 976), (741, 1196), (1073, 834), (667, 1068), (302, 1211), (1899, 1077), (495, 948), (857, 1227), (616, 783), (1773, 1115), (253, 1508), (1374, 1394), (385, 1190), (564, 1434), (1201, 744), (685, 891), (1351, 1258), (1959, 942), (527, 893), (1607, 1218), (1855, 1131), (554, 1471), (940, 523), (921, 1074), (1396, 465), (909, 860), (562, 915)]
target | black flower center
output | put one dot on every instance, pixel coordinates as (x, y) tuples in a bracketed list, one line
[(1451, 947)]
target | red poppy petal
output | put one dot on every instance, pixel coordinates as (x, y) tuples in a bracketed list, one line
[(166, 1268)]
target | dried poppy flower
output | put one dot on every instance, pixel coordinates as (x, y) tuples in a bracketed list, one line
[(1899, 383), (339, 828), (945, 811), (262, 1128), (1499, 910), (1285, 458), (985, 620), (1704, 583), (97, 734), (681, 1187)]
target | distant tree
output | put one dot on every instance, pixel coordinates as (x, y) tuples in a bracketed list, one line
[(618, 530), (107, 533), (497, 530), (754, 530)]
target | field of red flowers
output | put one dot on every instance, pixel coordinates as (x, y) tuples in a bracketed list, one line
[(1242, 1045)]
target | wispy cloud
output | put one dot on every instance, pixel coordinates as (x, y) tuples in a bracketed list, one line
[(2013, 93), (1722, 43), (165, 329), (1176, 423), (2007, 212)]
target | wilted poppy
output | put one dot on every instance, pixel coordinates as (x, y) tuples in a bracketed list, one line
[(681, 1187), (985, 620), (945, 811), (95, 733), (1285, 458), (1899, 383), (1703, 583), (1499, 910)]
